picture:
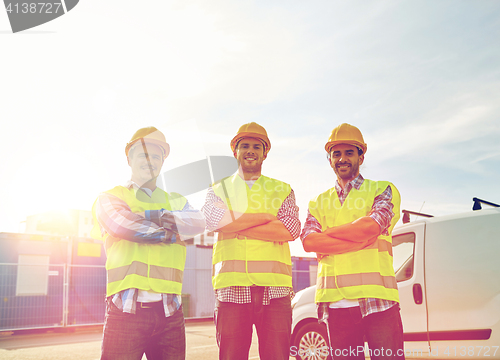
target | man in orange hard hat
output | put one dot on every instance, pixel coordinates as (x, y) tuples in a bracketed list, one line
[(349, 226), (255, 217), (143, 228)]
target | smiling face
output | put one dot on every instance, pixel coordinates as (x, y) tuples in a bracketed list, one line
[(345, 161), (250, 155), (145, 160)]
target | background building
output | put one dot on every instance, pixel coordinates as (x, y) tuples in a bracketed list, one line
[(77, 223)]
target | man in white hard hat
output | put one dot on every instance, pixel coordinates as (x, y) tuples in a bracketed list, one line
[(255, 217), (143, 228), (349, 226)]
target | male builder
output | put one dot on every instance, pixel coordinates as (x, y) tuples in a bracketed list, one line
[(142, 227), (350, 226), (255, 217)]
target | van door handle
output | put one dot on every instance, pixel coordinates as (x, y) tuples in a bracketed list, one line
[(417, 294)]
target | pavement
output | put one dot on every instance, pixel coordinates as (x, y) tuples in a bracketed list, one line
[(84, 344)]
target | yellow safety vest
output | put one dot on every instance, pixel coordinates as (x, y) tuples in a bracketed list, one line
[(157, 267), (367, 273), (246, 262)]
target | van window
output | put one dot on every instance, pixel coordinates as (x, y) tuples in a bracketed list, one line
[(403, 247)]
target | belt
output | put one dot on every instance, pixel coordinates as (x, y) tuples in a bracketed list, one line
[(149, 305)]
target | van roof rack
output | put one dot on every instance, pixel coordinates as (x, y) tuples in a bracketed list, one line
[(406, 215), (477, 203)]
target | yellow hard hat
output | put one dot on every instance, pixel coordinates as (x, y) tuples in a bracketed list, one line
[(150, 135), (346, 134), (252, 130)]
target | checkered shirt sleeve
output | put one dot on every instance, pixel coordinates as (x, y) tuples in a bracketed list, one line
[(212, 213), (288, 214), (310, 226), (381, 210), (117, 219)]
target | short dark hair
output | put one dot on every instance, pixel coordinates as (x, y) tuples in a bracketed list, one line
[(360, 152), (262, 141)]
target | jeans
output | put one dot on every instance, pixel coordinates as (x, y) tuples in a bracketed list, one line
[(383, 332), (129, 336), (234, 326)]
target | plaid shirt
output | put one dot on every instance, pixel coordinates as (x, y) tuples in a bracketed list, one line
[(115, 218), (126, 301), (381, 212), (288, 214)]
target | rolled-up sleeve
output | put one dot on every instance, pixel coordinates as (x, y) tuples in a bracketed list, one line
[(381, 210), (213, 214), (311, 225), (288, 214)]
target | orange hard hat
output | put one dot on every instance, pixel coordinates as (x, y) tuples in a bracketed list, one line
[(252, 130), (150, 135), (346, 134)]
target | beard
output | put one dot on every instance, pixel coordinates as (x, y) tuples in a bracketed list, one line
[(346, 175)]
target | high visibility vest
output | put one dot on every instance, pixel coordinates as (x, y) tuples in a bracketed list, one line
[(367, 273), (156, 267), (246, 262)]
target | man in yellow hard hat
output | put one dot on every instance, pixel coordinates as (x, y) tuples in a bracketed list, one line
[(349, 226), (143, 228), (255, 217)]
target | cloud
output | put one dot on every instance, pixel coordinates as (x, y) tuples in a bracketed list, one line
[(486, 157), (458, 124)]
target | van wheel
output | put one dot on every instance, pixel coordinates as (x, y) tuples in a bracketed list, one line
[(312, 342)]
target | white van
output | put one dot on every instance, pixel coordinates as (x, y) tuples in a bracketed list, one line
[(448, 273)]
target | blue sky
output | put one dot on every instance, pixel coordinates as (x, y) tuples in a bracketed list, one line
[(421, 79)]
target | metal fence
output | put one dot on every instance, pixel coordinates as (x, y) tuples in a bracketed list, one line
[(32, 296), (50, 296)]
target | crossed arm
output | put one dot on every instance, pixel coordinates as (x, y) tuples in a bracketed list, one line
[(261, 226), (345, 238), (117, 220)]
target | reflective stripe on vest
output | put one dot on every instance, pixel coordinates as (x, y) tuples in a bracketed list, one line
[(246, 262), (240, 266), (141, 269), (157, 267), (361, 274), (340, 281)]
